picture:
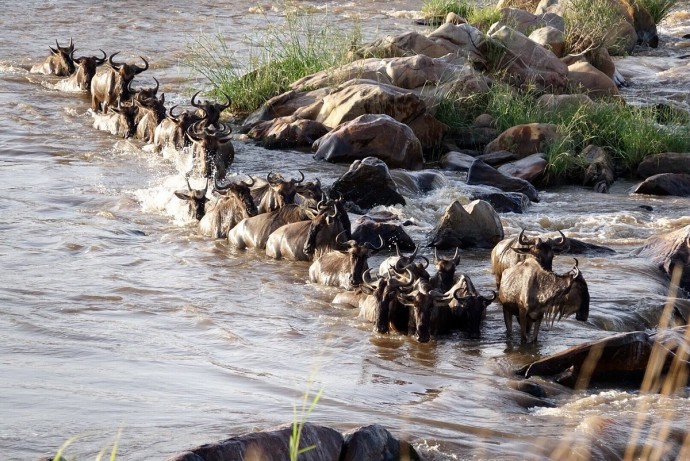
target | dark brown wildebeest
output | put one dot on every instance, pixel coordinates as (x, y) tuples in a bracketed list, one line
[(59, 62), (119, 122), (109, 87), (254, 232), (234, 204), (172, 130), (209, 112), (276, 192), (511, 251), (530, 293), (212, 147), (460, 308), (150, 114), (444, 278), (196, 198), (342, 268), (86, 69)]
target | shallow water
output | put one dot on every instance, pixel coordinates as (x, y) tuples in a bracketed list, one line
[(118, 316)]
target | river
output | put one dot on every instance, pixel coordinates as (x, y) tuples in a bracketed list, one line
[(118, 318)]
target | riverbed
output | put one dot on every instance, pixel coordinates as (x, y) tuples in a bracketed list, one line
[(118, 318)]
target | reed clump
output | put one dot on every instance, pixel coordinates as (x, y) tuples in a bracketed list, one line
[(302, 44)]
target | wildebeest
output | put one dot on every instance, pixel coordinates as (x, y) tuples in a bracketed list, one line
[(253, 232), (86, 69), (463, 309), (172, 130), (306, 240), (151, 112), (210, 111), (211, 146), (511, 251), (59, 62), (530, 293), (110, 86), (392, 234), (444, 278), (119, 121), (234, 204), (276, 192), (342, 268), (195, 198)]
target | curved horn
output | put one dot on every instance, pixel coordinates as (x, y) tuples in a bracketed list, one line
[(522, 240), (112, 63), (456, 256), (100, 61), (575, 270), (369, 246), (196, 104), (155, 90), (71, 44), (426, 260), (414, 253), (399, 283), (53, 50), (172, 115), (250, 184), (296, 181), (225, 106), (455, 294), (269, 178), (192, 137), (397, 249), (366, 277), (137, 69)]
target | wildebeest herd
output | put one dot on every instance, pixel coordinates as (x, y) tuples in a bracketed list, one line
[(294, 219)]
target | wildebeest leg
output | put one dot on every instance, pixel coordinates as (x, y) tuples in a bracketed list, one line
[(508, 318), (537, 324), (524, 327)]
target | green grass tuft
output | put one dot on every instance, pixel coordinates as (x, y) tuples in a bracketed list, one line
[(658, 9)]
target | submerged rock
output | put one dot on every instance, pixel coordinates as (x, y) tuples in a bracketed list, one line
[(481, 173), (473, 225), (505, 202), (675, 184), (272, 445), (391, 234), (375, 443)]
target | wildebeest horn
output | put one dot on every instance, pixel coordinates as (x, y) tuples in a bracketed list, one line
[(372, 247), (524, 240), (337, 238), (225, 106), (426, 260), (398, 283), (100, 61), (298, 181), (189, 186), (172, 115), (250, 184), (112, 63), (397, 249), (53, 50), (561, 245), (269, 178), (492, 298), (138, 70), (367, 279), (455, 294), (196, 104), (435, 256), (456, 256), (155, 90), (191, 136)]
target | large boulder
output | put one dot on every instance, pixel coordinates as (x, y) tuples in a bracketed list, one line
[(404, 44), (418, 182), (283, 105), (668, 251), (524, 140), (621, 359), (287, 132), (375, 443), (586, 78), (518, 19), (531, 168), (675, 184), (272, 445), (462, 39), (481, 173), (550, 38), (456, 161), (505, 202), (372, 135), (359, 97), (666, 162), (368, 183), (528, 63), (474, 225)]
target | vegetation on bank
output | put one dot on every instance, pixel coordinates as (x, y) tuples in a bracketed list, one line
[(658, 9), (301, 45), (435, 12)]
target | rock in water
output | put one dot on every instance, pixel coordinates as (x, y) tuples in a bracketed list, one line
[(675, 184), (375, 443), (481, 173), (475, 225), (368, 183)]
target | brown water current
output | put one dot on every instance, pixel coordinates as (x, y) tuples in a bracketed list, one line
[(116, 315)]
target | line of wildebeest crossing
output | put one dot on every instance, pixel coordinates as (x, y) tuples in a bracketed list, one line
[(294, 219)]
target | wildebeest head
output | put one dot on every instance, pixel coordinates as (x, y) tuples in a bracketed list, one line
[(64, 63), (87, 69), (196, 199), (542, 251), (242, 192), (470, 310), (358, 255), (127, 114), (445, 267), (126, 73), (143, 94), (324, 219), (576, 300), (153, 105), (378, 288), (282, 192), (210, 111), (421, 303), (310, 192), (211, 145)]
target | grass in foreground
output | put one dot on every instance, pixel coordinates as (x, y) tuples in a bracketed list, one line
[(303, 44)]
